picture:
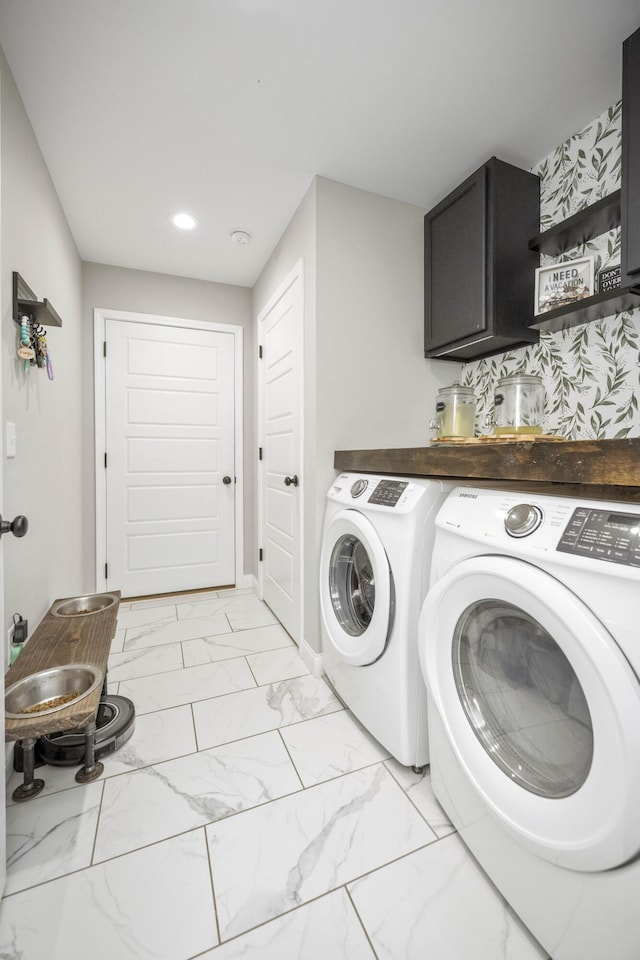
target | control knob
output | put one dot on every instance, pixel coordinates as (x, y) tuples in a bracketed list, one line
[(359, 487), (522, 520)]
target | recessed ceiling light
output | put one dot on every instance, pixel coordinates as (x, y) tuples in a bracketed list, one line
[(241, 236), (183, 220)]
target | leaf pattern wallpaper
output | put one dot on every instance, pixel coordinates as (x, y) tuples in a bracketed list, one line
[(591, 372)]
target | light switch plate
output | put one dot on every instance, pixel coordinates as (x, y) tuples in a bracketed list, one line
[(10, 441)]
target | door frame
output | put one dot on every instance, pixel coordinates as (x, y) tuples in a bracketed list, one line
[(8, 753), (100, 317), (297, 273)]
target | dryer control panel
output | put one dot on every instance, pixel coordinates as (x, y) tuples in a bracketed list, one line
[(603, 535)]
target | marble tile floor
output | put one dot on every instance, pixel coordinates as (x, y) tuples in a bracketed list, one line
[(249, 816)]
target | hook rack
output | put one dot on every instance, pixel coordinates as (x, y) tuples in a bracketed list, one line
[(25, 302)]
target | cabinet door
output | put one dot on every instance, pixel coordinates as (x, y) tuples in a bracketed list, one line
[(630, 197), (455, 236)]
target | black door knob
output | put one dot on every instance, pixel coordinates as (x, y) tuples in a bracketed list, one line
[(226, 481), (291, 481), (18, 527)]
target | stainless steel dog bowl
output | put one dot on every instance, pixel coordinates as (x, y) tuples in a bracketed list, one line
[(39, 694), (84, 606)]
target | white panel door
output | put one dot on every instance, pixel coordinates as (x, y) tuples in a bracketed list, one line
[(7, 657), (170, 483), (281, 439)]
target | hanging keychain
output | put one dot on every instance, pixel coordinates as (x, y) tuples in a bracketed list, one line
[(46, 356), (41, 347), (25, 350)]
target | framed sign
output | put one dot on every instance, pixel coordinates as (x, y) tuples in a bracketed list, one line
[(563, 283), (609, 279)]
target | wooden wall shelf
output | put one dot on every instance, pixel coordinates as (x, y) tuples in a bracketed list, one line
[(596, 469), (25, 302)]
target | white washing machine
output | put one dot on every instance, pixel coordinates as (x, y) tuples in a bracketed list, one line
[(529, 642), (374, 574)]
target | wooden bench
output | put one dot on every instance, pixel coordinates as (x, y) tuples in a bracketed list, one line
[(56, 642)]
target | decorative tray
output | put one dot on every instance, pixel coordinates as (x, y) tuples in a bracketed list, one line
[(503, 438)]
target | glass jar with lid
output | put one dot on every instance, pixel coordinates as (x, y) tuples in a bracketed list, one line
[(518, 404), (455, 411)]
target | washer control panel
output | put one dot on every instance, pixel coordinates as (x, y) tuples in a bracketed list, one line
[(388, 492), (603, 535)]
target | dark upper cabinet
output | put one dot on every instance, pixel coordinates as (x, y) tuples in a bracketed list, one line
[(479, 271), (630, 192)]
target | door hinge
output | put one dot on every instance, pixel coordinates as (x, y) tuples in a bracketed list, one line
[(104, 348), (105, 461), (260, 352), (259, 453), (106, 571), (260, 557)]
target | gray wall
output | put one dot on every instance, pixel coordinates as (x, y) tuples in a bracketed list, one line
[(44, 481), (374, 387), (137, 291), (367, 383)]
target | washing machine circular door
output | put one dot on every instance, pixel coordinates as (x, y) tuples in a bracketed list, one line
[(541, 709), (356, 589)]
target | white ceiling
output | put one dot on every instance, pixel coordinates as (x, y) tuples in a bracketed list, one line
[(228, 108)]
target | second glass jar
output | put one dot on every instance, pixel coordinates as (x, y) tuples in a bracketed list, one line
[(518, 404)]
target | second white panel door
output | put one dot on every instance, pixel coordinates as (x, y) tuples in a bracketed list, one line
[(170, 484), (281, 426)]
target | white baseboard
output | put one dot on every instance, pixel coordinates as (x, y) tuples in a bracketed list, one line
[(249, 582), (312, 659)]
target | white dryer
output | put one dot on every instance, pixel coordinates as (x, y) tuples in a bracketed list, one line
[(374, 572), (529, 642)]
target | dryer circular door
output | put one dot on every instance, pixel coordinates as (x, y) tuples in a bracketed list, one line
[(541, 708), (356, 589)]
